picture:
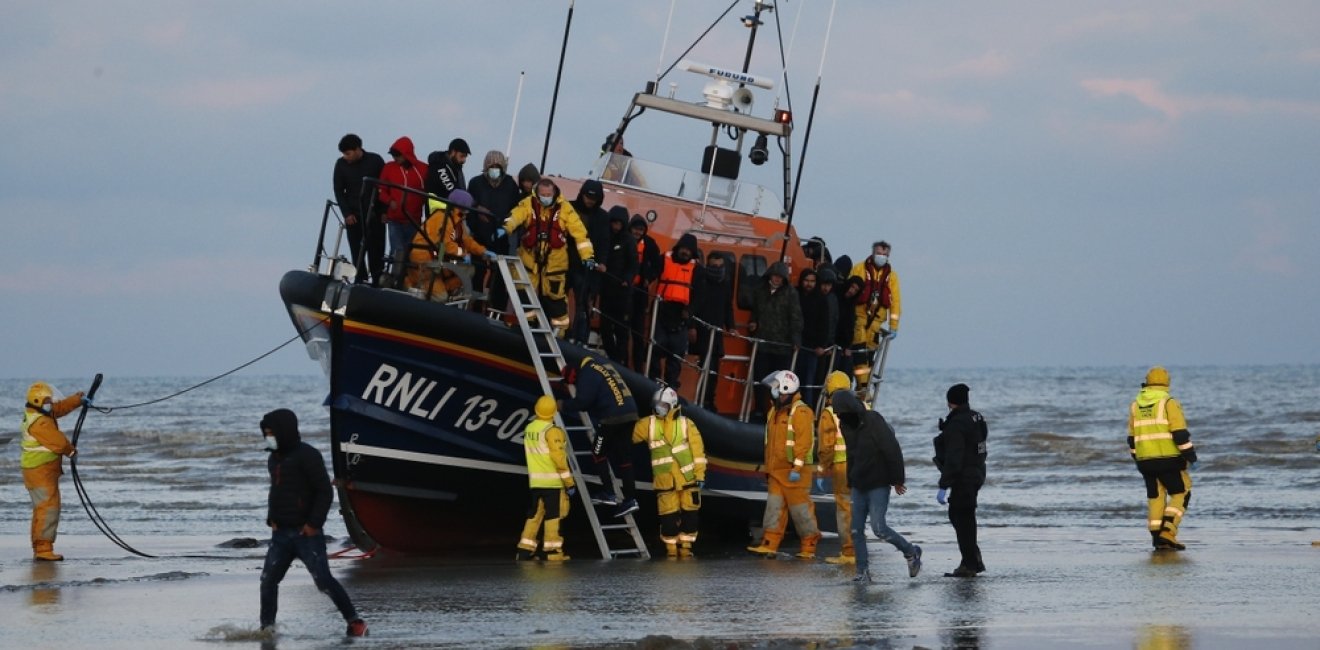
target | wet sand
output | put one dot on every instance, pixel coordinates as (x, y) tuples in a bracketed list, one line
[(1045, 588)]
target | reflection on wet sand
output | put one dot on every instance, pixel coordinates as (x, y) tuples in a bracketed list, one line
[(963, 624), (1164, 637), (45, 590)]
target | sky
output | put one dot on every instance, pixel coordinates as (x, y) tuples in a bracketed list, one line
[(1064, 183)]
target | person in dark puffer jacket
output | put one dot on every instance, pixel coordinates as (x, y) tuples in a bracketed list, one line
[(299, 500)]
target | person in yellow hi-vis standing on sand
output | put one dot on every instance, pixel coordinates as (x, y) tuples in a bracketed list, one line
[(44, 446), (1162, 447), (551, 482)]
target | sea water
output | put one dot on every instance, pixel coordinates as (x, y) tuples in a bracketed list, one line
[(1062, 517)]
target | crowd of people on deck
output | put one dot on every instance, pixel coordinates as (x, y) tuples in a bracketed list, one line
[(650, 310)]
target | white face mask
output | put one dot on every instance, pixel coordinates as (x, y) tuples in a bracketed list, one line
[(880, 260), (662, 409), (272, 444), (493, 173)]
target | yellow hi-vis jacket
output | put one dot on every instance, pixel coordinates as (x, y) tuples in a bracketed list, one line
[(793, 431), (1152, 419), (42, 440), (833, 449), (547, 464), (676, 450)]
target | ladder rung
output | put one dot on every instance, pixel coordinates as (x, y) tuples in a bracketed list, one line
[(539, 330), (614, 526), (626, 551)]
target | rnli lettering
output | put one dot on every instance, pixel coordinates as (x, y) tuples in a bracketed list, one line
[(412, 394)]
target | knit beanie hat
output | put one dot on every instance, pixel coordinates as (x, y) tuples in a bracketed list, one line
[(495, 159)]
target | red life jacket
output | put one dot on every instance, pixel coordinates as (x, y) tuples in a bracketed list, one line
[(641, 254), (876, 289), (676, 280), (544, 229)]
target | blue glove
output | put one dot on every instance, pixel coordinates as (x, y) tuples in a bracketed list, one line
[(1191, 465), (87, 401), (490, 256), (942, 496), (701, 484), (893, 334), (572, 491), (589, 264), (794, 475), (499, 232), (820, 485)]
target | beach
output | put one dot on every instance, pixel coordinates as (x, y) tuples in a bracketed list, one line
[(1043, 589)]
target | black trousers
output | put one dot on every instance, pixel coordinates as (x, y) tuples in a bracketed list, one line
[(614, 309), (366, 242), (617, 449), (962, 514)]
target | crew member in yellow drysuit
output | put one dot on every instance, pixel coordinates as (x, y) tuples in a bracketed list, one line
[(878, 306), (834, 464), (789, 440), (547, 221), (43, 446), (678, 467), (550, 480), (447, 228), (1159, 442)]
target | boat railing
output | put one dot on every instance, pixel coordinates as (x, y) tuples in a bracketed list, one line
[(675, 182), (330, 262)]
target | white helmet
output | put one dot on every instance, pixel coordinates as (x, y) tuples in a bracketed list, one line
[(665, 401), (782, 382)]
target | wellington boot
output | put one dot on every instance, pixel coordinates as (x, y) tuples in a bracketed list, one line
[(556, 557), (685, 550), (47, 556), (841, 559), (806, 555), (762, 549), (671, 550)]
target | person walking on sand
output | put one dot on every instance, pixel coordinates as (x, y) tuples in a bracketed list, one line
[(300, 496), (834, 464), (789, 458), (678, 465), (43, 449), (550, 480), (1160, 444), (960, 452), (876, 464)]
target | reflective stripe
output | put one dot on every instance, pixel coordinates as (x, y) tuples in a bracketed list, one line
[(34, 454), (1174, 510), (541, 469), (671, 448), (530, 543), (1151, 437), (1185, 445), (549, 545), (1156, 522)]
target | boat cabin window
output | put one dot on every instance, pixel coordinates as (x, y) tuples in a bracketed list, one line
[(714, 190), (751, 273), (816, 251)]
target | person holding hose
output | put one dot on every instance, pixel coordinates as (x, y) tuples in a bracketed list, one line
[(44, 447)]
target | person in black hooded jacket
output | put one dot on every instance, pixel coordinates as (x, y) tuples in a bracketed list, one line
[(620, 262), (299, 500), (875, 463), (712, 302), (648, 270), (586, 284)]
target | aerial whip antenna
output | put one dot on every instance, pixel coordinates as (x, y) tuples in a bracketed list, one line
[(806, 138), (517, 100), (563, 49)]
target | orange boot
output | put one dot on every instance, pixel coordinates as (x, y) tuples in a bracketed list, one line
[(45, 551)]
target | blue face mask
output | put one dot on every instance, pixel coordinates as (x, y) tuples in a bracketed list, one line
[(546, 200), (493, 173)]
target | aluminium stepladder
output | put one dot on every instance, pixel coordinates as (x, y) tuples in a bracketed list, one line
[(546, 355)]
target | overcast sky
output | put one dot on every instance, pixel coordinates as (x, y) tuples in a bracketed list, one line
[(1064, 183)]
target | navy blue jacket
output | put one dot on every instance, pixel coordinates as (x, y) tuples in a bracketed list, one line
[(603, 394)]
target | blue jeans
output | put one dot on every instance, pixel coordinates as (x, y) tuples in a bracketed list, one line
[(285, 545), (400, 237), (873, 503)]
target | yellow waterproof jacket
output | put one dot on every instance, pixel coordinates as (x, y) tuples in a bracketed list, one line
[(1156, 426), (832, 447), (678, 456), (42, 441), (785, 450), (882, 317), (542, 258)]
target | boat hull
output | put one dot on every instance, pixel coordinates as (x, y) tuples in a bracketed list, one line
[(427, 407)]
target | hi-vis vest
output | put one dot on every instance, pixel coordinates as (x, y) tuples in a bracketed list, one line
[(789, 443), (541, 470), (840, 446), (676, 280), (449, 230), (1150, 430), (34, 453), (671, 448)]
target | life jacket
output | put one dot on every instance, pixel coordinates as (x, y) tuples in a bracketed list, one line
[(541, 470), (34, 453), (676, 280), (789, 443), (544, 229), (876, 290), (840, 446), (638, 280), (666, 449), (1150, 429)]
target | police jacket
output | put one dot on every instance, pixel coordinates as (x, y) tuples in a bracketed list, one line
[(603, 394), (960, 449), (874, 456), (300, 492)]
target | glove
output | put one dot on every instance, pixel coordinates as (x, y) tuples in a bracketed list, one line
[(572, 490), (490, 256), (590, 265), (499, 232), (467, 259), (87, 401), (701, 484), (794, 475), (820, 485), (893, 334), (1191, 465), (942, 496)]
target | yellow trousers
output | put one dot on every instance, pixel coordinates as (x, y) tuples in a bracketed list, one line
[(539, 513), (43, 486), (790, 499), (842, 507), (1166, 508)]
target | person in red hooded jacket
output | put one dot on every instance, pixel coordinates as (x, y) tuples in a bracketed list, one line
[(404, 209)]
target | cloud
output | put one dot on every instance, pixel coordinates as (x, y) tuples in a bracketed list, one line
[(156, 278), (241, 93), (987, 66), (907, 104), (1151, 94)]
